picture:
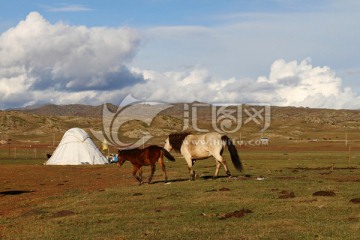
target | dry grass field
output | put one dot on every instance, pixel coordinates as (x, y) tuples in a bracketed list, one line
[(304, 185), (310, 196)]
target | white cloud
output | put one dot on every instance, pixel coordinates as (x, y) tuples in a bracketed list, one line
[(288, 84), (243, 43), (39, 56), (67, 8), (43, 62), (301, 84)]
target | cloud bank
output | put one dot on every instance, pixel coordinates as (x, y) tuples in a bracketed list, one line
[(63, 61), (288, 84), (301, 84), (59, 63)]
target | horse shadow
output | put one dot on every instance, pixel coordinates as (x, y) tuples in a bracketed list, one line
[(170, 181), (206, 177)]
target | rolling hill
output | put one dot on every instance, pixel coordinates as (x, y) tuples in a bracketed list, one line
[(285, 123)]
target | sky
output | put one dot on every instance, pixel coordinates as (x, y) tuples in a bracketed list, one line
[(302, 53)]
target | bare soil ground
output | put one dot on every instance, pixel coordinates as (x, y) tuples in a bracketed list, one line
[(24, 186), (56, 197)]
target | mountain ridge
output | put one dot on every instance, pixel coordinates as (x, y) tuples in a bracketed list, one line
[(285, 122)]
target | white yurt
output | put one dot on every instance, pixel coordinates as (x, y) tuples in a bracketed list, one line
[(75, 148)]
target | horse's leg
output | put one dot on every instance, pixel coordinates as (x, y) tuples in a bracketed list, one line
[(153, 167), (221, 160), (190, 164), (226, 167), (162, 164), (218, 164), (135, 169), (140, 174)]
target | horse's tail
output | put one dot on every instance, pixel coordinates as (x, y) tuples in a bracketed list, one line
[(233, 153), (168, 155)]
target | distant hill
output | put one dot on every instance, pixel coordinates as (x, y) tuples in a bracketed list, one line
[(287, 115), (286, 123), (69, 110)]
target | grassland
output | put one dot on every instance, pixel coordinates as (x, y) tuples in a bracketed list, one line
[(310, 152), (274, 201)]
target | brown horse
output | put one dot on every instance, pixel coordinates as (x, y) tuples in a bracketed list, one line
[(145, 157)]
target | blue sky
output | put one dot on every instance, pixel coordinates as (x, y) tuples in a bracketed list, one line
[(282, 52), (145, 13)]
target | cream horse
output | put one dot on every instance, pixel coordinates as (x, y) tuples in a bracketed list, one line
[(196, 147)]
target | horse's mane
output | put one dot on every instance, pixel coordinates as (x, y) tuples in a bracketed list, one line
[(176, 140)]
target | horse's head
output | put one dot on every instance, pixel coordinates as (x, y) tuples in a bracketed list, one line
[(121, 159), (167, 145)]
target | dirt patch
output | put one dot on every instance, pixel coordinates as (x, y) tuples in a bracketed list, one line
[(355, 200), (286, 194), (324, 193), (63, 213), (25, 187), (353, 219), (237, 214)]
